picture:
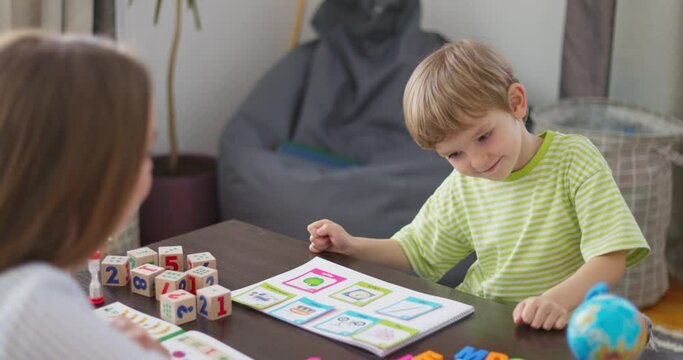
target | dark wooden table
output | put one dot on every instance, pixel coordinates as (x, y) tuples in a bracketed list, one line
[(247, 254)]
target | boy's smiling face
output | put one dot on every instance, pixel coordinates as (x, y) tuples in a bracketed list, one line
[(492, 147)]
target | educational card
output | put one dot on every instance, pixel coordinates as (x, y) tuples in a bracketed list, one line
[(361, 293), (191, 345), (263, 296), (409, 308), (339, 303), (301, 311), (314, 281)]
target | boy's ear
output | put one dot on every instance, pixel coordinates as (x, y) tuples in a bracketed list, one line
[(517, 100)]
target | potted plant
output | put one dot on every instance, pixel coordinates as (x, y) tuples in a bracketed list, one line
[(183, 195)]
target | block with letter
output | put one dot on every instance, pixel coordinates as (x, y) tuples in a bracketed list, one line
[(169, 281), (115, 270), (213, 302), (201, 277), (143, 255), (142, 279), (171, 258), (201, 259), (178, 307)]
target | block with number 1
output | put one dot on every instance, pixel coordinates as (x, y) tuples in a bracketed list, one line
[(201, 277), (171, 258), (213, 302), (169, 281)]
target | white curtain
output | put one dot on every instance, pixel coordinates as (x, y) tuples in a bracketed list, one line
[(72, 16)]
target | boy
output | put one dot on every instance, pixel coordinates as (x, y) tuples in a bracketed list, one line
[(543, 213)]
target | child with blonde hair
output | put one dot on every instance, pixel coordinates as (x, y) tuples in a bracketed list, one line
[(75, 130), (543, 213)]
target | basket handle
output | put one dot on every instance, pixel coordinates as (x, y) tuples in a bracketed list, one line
[(672, 155)]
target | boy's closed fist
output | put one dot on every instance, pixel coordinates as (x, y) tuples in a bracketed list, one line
[(539, 312), (328, 236)]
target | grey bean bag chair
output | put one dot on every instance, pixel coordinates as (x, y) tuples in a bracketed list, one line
[(340, 94)]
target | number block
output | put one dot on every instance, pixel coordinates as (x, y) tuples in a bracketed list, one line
[(169, 281), (201, 259), (201, 277), (142, 279), (178, 307), (115, 270), (213, 302), (143, 255), (171, 258)]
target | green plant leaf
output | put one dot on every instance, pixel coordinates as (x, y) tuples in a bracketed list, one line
[(192, 5), (157, 12)]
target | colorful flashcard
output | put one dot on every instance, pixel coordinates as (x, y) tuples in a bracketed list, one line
[(347, 323), (385, 334), (156, 328), (263, 296), (194, 345), (301, 311), (409, 308), (360, 293), (314, 281)]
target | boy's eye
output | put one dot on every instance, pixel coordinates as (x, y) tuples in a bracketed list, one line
[(485, 136), (455, 155)]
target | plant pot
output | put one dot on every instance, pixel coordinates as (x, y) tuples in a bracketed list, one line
[(179, 201)]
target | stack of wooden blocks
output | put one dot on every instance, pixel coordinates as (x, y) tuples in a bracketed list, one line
[(183, 287)]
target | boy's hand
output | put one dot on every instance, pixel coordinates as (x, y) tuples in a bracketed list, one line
[(328, 236), (539, 312)]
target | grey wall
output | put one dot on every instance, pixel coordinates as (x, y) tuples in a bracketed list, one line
[(241, 39)]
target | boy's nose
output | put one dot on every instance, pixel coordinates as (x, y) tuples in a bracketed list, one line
[(480, 163)]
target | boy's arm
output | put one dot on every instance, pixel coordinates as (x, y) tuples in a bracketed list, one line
[(551, 310), (384, 251), (570, 293)]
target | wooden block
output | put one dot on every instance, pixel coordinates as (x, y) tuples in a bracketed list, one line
[(171, 258), (142, 279), (168, 281), (178, 307), (143, 255), (213, 302), (115, 270), (428, 355), (201, 277), (201, 259)]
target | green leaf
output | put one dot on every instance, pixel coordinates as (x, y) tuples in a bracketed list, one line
[(192, 5), (157, 11)]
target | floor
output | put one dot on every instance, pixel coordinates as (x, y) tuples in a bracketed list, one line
[(668, 312)]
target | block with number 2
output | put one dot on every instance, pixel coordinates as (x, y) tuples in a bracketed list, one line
[(115, 271), (201, 277), (178, 307)]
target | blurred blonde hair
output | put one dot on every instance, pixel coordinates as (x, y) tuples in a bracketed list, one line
[(461, 78), (74, 119)]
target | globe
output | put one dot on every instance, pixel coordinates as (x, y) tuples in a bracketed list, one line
[(606, 326)]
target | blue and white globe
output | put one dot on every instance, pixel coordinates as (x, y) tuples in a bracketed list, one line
[(606, 326)]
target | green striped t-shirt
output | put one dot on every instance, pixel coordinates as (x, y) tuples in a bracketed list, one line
[(530, 231)]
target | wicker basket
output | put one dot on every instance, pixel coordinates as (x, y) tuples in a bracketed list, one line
[(639, 147)]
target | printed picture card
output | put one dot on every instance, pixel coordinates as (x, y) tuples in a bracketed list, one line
[(360, 293), (263, 296), (385, 334), (409, 308), (301, 311), (347, 323), (314, 281)]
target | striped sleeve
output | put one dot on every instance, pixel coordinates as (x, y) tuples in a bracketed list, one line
[(607, 224), (432, 242)]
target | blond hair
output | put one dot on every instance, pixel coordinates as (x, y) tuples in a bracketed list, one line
[(74, 119), (461, 78)]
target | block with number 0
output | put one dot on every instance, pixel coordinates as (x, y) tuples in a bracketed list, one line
[(178, 307), (169, 281), (142, 279), (171, 258), (213, 302), (115, 271), (201, 277)]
